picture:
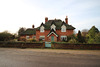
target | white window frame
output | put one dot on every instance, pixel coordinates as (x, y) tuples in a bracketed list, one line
[(34, 37), (63, 28), (53, 27), (27, 37), (65, 37), (42, 37), (42, 29)]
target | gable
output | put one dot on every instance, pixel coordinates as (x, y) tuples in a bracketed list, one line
[(63, 26), (52, 32), (53, 26), (42, 27)]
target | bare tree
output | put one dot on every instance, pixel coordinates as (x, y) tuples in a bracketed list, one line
[(21, 30), (84, 32)]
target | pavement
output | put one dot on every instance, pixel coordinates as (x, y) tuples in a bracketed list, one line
[(14, 57)]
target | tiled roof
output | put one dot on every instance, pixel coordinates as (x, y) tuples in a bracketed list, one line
[(29, 31), (58, 23)]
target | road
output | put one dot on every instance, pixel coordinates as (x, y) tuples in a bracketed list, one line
[(14, 57)]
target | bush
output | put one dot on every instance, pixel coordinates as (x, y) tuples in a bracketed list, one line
[(59, 42), (91, 41), (33, 40), (97, 38), (71, 37), (73, 41), (6, 36)]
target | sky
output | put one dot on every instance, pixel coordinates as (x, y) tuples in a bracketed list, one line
[(82, 14)]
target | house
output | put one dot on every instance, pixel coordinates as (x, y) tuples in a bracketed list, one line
[(29, 34), (51, 30)]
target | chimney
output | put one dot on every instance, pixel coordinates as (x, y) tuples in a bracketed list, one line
[(33, 26), (66, 20), (46, 19)]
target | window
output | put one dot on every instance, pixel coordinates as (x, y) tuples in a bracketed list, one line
[(63, 38), (34, 37), (53, 26), (27, 37), (42, 38), (63, 28), (42, 29)]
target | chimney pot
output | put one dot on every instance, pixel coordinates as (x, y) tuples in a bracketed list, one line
[(66, 19), (46, 19), (33, 26)]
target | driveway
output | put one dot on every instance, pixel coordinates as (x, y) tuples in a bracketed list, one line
[(13, 57)]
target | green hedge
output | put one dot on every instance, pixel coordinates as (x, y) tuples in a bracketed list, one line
[(20, 44)]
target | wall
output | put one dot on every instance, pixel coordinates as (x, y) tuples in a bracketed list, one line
[(22, 45), (76, 46), (45, 33), (67, 33), (24, 37), (55, 37), (54, 46), (38, 34)]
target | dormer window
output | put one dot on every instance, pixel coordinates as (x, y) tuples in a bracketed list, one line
[(53, 27), (63, 28), (27, 37), (42, 29)]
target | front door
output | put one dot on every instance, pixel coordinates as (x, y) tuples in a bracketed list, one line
[(52, 38)]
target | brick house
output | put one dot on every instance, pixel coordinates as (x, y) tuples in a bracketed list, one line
[(51, 30), (29, 34)]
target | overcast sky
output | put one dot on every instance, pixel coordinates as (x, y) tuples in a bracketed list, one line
[(82, 14)]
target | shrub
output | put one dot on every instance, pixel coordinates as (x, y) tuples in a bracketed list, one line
[(71, 37), (97, 38), (59, 42), (73, 41), (91, 41), (33, 40)]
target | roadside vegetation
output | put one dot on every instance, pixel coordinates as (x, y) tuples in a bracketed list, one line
[(6, 36), (91, 36), (85, 36)]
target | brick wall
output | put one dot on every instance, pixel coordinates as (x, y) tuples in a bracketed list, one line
[(24, 37), (55, 37), (22, 45), (67, 33), (76, 46), (55, 45)]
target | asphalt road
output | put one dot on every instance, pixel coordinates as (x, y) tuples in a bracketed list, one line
[(12, 57)]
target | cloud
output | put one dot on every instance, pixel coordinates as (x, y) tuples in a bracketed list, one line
[(15, 14), (24, 13)]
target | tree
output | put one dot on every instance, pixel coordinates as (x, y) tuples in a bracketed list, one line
[(79, 37), (21, 30), (93, 31), (71, 37), (84, 32), (97, 38), (92, 35), (6, 36), (72, 41)]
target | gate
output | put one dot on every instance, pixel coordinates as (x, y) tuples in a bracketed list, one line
[(47, 44)]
